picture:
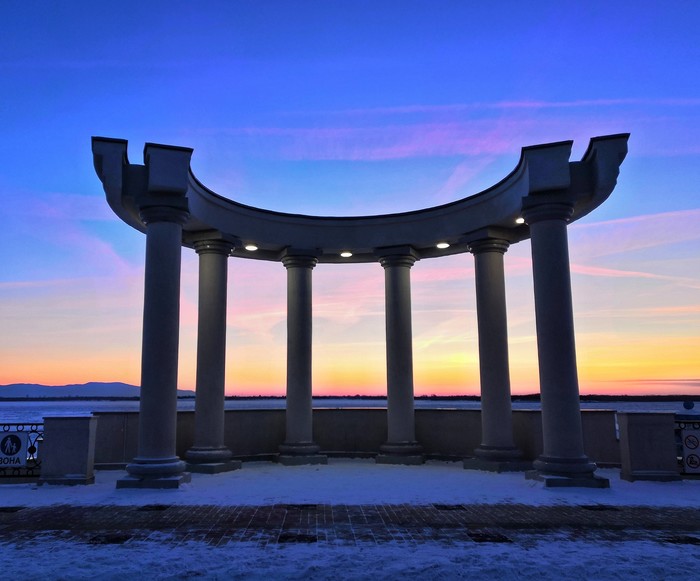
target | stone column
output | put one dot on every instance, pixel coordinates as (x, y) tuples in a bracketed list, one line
[(497, 451), (157, 465), (299, 447), (563, 461), (209, 454), (401, 446)]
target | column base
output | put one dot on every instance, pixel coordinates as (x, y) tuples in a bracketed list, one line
[(213, 467), (301, 460), (299, 448), (561, 466), (498, 453), (204, 455), (141, 467), (497, 459), (558, 472), (164, 482), (407, 453), (300, 453), (581, 481), (493, 465)]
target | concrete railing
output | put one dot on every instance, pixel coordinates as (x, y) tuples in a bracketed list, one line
[(648, 446), (644, 445), (67, 451), (359, 432)]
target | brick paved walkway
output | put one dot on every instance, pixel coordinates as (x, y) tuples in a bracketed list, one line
[(346, 525)]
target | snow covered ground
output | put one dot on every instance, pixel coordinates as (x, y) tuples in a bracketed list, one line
[(357, 482), (548, 558), (556, 555)]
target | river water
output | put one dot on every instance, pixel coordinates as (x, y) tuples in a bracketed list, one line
[(34, 411)]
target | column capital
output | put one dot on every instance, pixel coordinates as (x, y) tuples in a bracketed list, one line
[(213, 247), (396, 256), (534, 212), (171, 213), (405, 260), (489, 245), (300, 261)]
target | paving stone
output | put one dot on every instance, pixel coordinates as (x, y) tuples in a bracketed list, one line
[(348, 525)]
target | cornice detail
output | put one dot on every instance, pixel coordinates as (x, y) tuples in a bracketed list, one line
[(543, 174)]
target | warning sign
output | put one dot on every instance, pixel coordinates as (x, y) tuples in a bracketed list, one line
[(690, 438), (13, 449), (692, 461)]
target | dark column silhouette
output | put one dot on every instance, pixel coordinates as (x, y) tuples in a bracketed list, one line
[(299, 447), (563, 461), (156, 464), (208, 453), (401, 446), (497, 451)]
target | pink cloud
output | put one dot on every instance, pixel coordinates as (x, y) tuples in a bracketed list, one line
[(523, 104), (464, 129), (463, 173), (636, 233), (36, 284), (677, 310), (516, 265), (438, 273), (615, 273), (377, 143), (658, 313), (92, 252), (64, 206)]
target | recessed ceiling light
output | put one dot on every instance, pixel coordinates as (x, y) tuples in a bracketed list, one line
[(520, 220), (442, 245), (346, 254), (251, 247)]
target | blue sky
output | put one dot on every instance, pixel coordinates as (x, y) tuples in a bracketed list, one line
[(343, 108)]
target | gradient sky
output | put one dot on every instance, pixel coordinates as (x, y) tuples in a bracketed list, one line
[(349, 108)]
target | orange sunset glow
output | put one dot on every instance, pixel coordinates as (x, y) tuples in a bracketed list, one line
[(298, 121)]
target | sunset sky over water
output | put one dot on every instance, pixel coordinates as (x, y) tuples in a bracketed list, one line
[(349, 108)]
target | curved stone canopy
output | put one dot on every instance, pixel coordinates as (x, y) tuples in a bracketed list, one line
[(544, 174)]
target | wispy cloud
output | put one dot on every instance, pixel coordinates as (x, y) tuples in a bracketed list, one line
[(463, 173), (647, 312), (58, 206), (73, 207), (510, 105), (49, 285), (625, 235), (616, 273), (92, 253), (471, 129), (89, 64), (381, 142), (438, 273)]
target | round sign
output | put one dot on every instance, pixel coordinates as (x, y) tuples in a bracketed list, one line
[(691, 442), (10, 445)]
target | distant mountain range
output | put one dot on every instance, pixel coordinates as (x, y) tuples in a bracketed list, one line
[(92, 389), (116, 389)]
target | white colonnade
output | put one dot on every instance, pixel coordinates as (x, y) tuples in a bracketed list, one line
[(163, 199), (157, 464), (209, 454)]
